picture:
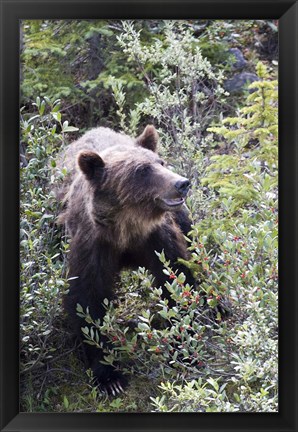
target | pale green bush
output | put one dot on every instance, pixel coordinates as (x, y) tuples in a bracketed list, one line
[(185, 91), (43, 247)]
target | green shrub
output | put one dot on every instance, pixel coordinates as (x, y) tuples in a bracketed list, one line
[(43, 246), (185, 92)]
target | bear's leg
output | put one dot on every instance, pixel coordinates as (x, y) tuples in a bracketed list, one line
[(107, 378), (182, 219), (170, 239), (92, 275)]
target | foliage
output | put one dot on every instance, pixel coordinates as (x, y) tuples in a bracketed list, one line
[(167, 341), (244, 171), (193, 357), (197, 343), (60, 59), (194, 343), (43, 248), (72, 60), (75, 59), (184, 89)]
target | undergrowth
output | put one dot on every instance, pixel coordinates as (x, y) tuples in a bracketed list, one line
[(216, 350)]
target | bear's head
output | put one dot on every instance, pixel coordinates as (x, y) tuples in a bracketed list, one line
[(132, 180)]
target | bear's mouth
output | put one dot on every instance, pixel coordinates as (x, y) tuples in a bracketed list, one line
[(173, 202)]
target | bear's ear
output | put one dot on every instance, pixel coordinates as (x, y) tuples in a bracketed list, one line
[(149, 138), (91, 164)]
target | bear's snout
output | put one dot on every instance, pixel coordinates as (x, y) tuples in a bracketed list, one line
[(182, 186)]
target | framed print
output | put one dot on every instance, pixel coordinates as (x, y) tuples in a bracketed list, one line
[(148, 217)]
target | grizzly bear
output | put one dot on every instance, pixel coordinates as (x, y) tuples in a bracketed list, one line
[(121, 204)]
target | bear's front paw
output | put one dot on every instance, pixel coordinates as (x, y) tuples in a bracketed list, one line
[(108, 380)]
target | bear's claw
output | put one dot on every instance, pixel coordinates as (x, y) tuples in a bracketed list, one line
[(115, 388)]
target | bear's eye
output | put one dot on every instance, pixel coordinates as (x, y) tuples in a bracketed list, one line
[(162, 163), (144, 170)]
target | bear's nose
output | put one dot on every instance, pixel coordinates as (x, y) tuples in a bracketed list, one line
[(182, 186)]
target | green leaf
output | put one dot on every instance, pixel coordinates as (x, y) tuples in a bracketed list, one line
[(70, 129), (56, 108), (212, 302), (65, 402), (143, 326), (116, 403), (42, 107), (85, 330), (163, 314), (56, 115), (105, 31), (143, 319), (79, 308), (213, 383), (33, 118), (46, 332)]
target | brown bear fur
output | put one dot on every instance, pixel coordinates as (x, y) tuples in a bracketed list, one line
[(121, 205)]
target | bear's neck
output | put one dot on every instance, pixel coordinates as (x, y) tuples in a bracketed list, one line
[(129, 227)]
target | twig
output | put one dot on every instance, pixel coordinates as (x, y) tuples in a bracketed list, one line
[(37, 366)]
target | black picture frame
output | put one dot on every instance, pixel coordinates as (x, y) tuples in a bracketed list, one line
[(14, 10)]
